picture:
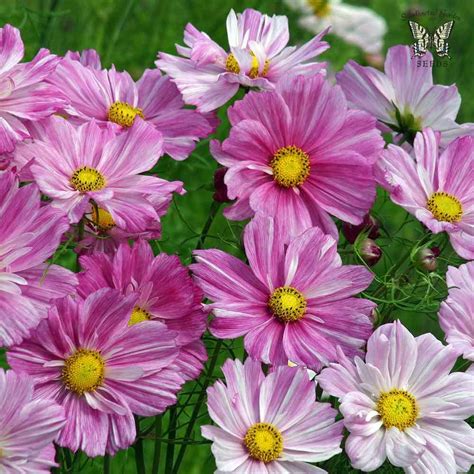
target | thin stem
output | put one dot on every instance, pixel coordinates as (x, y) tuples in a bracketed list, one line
[(138, 447), (210, 218), (197, 407), (106, 464), (157, 453)]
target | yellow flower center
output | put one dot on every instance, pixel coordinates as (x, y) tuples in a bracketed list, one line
[(290, 166), (398, 409), (138, 315), (124, 114), (102, 219), (264, 442), (232, 65), (320, 8), (83, 371), (445, 207), (287, 304), (86, 179)]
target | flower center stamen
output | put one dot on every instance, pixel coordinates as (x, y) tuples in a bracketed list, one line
[(398, 409), (83, 371), (264, 442), (445, 207), (86, 179), (290, 166), (287, 304), (138, 315), (320, 8), (102, 219), (232, 65), (124, 114)]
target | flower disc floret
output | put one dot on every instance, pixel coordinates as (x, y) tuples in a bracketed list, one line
[(139, 315), (86, 179), (287, 304), (264, 442), (83, 371), (291, 166), (445, 207), (397, 408), (124, 114)]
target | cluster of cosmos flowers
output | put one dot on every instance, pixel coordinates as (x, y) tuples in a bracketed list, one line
[(92, 349)]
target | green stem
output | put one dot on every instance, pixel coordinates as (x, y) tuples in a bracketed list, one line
[(138, 447), (171, 437), (210, 218), (106, 464), (157, 453), (197, 407)]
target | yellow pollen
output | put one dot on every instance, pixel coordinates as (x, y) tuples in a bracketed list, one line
[(102, 219), (287, 304), (138, 315), (83, 371), (320, 8), (86, 179), (445, 207), (398, 409), (124, 114), (290, 166), (232, 65), (264, 442)]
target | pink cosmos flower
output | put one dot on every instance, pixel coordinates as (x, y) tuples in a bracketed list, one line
[(29, 234), (299, 154), (435, 187), (87, 170), (113, 99), (456, 314), (269, 424), (291, 303), (24, 94), (208, 76), (403, 404), (166, 293), (28, 426), (88, 359), (404, 99), (87, 57)]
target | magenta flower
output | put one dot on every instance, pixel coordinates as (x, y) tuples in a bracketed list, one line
[(435, 187), (88, 359), (299, 154), (208, 76), (404, 99), (113, 99), (291, 303), (456, 314), (89, 169), (29, 234), (166, 293), (28, 426), (403, 404), (24, 94), (269, 424)]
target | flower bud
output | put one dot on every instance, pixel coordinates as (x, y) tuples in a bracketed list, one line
[(220, 194), (370, 252), (426, 258), (369, 224)]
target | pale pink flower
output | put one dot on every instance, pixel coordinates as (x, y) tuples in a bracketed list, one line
[(403, 404), (269, 424), (208, 76)]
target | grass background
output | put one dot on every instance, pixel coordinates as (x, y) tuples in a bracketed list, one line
[(128, 33)]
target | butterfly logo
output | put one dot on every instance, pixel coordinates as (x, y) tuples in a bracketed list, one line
[(424, 41)]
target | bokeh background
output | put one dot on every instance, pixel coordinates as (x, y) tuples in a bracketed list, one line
[(129, 33)]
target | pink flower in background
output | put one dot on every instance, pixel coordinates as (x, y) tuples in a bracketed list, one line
[(299, 154), (88, 358), (456, 314), (166, 293), (403, 404), (435, 187), (113, 99), (75, 166), (29, 234), (87, 57), (24, 94), (269, 424), (404, 99), (28, 426), (291, 303), (208, 76)]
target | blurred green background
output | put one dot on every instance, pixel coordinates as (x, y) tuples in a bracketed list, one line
[(129, 33)]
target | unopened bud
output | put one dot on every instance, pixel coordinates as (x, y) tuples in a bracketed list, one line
[(220, 194), (369, 224), (426, 258), (370, 252)]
